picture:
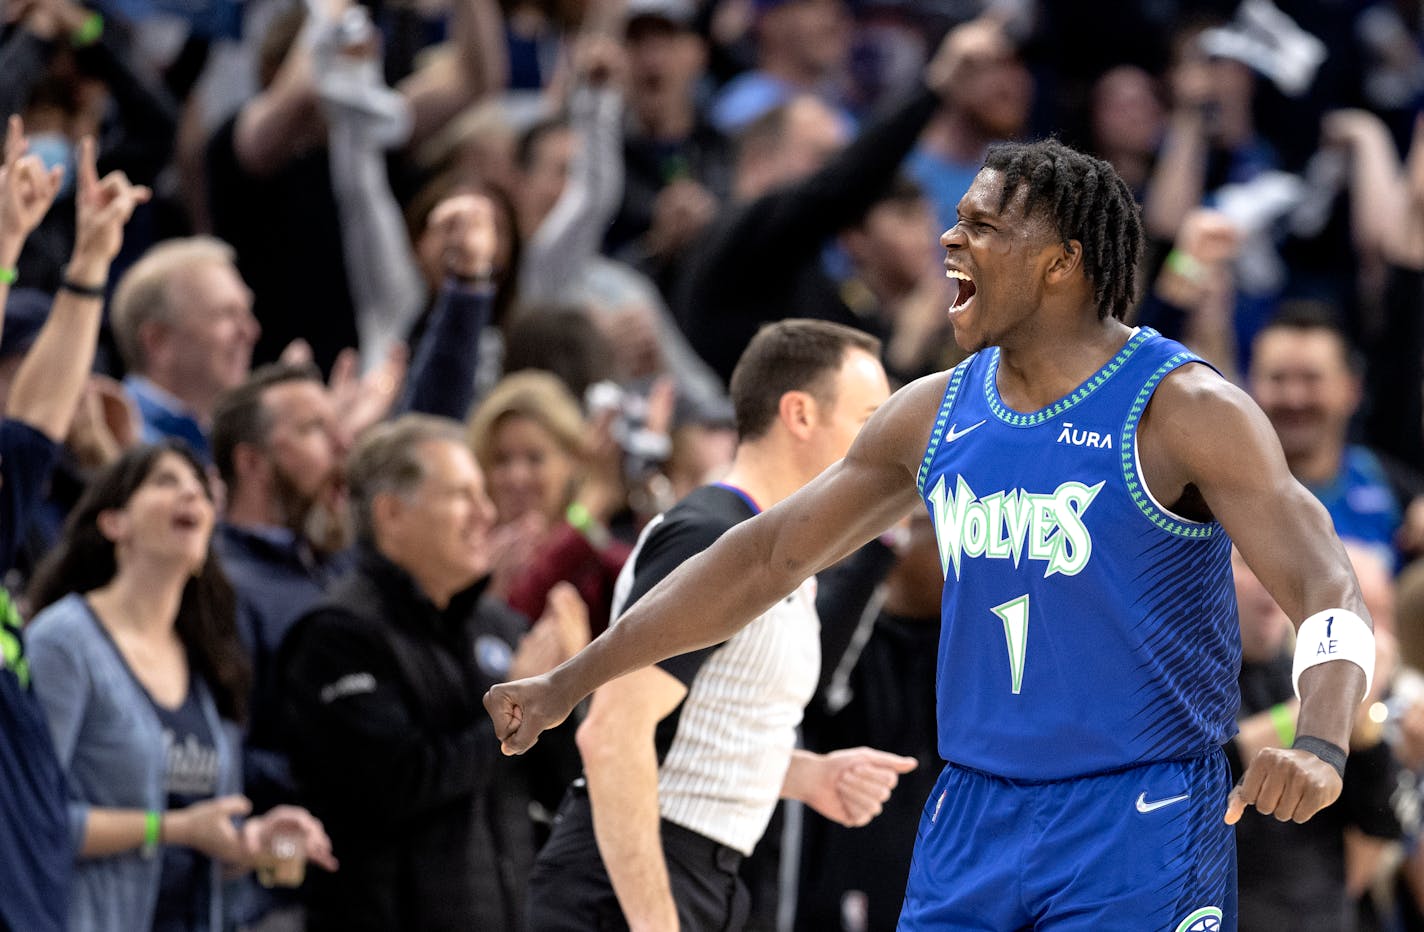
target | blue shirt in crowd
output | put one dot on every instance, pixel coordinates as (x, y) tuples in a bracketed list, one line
[(1361, 500), (111, 744), (165, 416)]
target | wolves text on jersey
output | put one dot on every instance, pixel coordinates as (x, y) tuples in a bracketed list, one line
[(1008, 524)]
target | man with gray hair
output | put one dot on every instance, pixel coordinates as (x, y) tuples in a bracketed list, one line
[(182, 319), (382, 684)]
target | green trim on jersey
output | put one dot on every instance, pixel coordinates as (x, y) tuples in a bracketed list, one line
[(950, 393), (1127, 450), (1063, 405)]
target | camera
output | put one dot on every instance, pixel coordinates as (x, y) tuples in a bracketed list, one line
[(644, 450)]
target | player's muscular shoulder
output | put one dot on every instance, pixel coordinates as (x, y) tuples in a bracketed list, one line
[(900, 431), (1197, 432)]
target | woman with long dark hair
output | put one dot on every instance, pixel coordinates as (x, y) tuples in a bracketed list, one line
[(143, 682)]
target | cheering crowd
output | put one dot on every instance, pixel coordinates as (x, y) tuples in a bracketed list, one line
[(348, 349)]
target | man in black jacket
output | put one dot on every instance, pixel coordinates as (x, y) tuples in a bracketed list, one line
[(383, 683)]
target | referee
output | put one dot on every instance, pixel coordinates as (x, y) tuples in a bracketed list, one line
[(684, 761)]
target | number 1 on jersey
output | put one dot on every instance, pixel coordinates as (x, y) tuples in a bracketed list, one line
[(1014, 615)]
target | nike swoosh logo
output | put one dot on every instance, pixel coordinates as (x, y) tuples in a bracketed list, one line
[(954, 434), (1144, 806)]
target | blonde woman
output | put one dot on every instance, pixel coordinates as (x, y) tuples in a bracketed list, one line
[(556, 482)]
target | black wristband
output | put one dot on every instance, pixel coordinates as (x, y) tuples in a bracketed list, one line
[(84, 291), (1332, 754)]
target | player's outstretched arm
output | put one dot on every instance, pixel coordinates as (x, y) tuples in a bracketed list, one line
[(1203, 433), (711, 597)]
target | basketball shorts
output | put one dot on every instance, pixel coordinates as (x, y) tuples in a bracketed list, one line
[(1137, 850)]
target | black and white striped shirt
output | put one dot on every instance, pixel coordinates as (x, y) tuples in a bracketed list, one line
[(724, 751)]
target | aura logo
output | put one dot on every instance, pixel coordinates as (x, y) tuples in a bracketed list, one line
[(1013, 524), (1084, 438)]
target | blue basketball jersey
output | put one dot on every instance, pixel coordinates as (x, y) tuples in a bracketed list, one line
[(1085, 628)]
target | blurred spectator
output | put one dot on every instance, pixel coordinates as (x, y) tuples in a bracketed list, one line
[(987, 100), (1193, 298), (703, 444), (468, 251), (803, 47), (1211, 137), (71, 77), (897, 283), (534, 31), (1379, 197), (1394, 65), (572, 174), (456, 274), (138, 666), (1301, 871), (564, 340), (478, 145), (684, 760), (364, 118), (761, 259), (555, 484), (182, 319), (1390, 326), (1304, 377), (104, 424), (34, 836), (278, 448), (382, 683), (678, 167), (49, 387), (270, 174), (1127, 121)]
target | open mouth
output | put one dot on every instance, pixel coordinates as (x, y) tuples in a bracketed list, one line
[(966, 289), (187, 522)]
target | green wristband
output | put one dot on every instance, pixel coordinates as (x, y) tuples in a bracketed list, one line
[(9, 275), (88, 32), (152, 831), (1185, 265), (582, 520), (1284, 720)]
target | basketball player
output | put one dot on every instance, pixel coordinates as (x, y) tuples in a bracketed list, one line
[(1083, 477)]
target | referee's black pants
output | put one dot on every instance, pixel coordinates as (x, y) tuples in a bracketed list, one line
[(569, 889)]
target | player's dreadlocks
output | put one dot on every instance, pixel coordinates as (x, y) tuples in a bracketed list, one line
[(1088, 202)]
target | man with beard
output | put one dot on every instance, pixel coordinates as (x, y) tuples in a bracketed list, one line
[(279, 449), (1303, 376)]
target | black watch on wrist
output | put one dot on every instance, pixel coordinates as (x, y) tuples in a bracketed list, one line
[(66, 283)]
